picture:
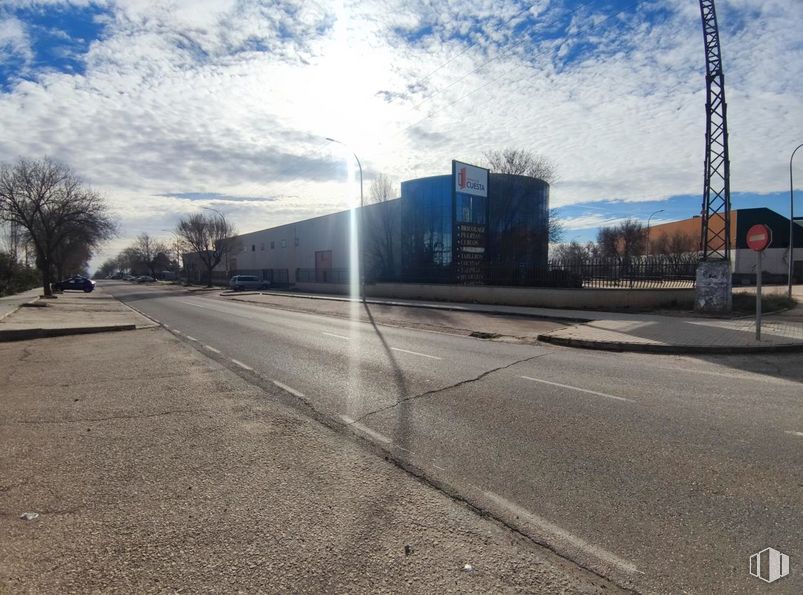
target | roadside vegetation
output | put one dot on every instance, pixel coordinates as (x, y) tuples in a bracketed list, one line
[(745, 303), (52, 216)]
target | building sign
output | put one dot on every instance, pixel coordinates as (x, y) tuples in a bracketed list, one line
[(470, 253), (470, 179)]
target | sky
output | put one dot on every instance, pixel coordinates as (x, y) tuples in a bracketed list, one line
[(170, 106)]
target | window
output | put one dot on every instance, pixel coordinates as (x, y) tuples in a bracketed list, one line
[(284, 243), (262, 246), (296, 242), (253, 247), (272, 245)]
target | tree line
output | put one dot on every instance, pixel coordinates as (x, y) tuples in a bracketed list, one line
[(208, 238), (629, 238)]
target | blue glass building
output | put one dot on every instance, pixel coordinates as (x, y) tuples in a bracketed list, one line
[(450, 237)]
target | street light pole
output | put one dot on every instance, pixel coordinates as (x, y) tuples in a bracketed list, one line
[(791, 221), (360, 228), (650, 219)]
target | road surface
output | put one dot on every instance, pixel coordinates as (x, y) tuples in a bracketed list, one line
[(662, 473)]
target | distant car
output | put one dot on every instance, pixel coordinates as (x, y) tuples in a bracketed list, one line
[(76, 283), (130, 278), (243, 282), (145, 279)]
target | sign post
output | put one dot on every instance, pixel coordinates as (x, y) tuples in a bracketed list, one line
[(759, 237)]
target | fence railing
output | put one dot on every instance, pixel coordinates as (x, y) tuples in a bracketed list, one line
[(643, 272)]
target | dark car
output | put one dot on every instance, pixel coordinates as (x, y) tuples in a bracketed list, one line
[(75, 284)]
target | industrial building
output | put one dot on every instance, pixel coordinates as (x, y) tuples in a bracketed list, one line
[(461, 228), (775, 262)]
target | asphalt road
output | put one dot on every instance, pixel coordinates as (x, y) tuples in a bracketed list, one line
[(661, 473)]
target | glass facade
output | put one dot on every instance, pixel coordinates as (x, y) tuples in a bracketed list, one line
[(518, 230), (426, 240), (515, 218)]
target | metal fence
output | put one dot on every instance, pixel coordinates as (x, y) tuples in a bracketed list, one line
[(644, 272)]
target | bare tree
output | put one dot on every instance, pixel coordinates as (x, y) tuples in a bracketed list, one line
[(151, 253), (628, 238), (575, 252), (209, 237), (56, 209), (380, 232), (521, 163)]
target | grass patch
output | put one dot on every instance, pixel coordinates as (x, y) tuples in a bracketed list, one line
[(746, 302)]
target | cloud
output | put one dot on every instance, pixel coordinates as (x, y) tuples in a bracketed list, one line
[(183, 99), (14, 41)]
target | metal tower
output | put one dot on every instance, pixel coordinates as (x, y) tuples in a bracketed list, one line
[(716, 231)]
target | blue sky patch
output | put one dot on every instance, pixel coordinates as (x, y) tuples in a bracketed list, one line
[(60, 38)]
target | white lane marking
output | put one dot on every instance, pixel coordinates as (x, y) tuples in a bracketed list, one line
[(289, 389), (334, 335), (212, 349), (242, 365), (192, 338), (404, 449), (545, 525), (416, 353), (439, 468), (165, 325), (178, 332), (365, 429), (193, 304), (577, 388), (793, 433)]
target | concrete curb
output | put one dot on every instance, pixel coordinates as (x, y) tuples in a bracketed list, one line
[(670, 349), (44, 333), (444, 307)]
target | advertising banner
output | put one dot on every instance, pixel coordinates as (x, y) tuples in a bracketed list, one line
[(470, 179)]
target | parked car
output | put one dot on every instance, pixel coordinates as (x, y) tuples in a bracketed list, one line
[(76, 283), (130, 278), (145, 279), (243, 282)]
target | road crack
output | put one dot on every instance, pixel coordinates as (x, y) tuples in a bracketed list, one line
[(435, 391)]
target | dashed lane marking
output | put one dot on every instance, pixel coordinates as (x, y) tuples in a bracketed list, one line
[(577, 388), (544, 525), (212, 349), (334, 335), (365, 429), (242, 365), (289, 389), (415, 353)]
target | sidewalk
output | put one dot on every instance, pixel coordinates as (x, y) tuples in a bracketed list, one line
[(611, 331), (153, 468), (69, 314), (11, 303)]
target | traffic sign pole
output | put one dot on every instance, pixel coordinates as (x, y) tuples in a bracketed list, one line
[(759, 237), (758, 294)]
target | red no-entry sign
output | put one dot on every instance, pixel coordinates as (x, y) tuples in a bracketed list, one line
[(759, 237)]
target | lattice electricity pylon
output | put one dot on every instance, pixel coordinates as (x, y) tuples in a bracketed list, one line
[(716, 228)]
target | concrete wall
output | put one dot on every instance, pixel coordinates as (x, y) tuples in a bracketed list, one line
[(519, 296), (774, 260)]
